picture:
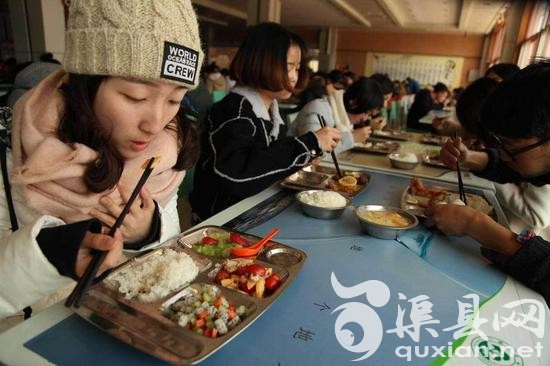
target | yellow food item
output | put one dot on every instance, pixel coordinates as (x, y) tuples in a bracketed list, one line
[(386, 218), (348, 181)]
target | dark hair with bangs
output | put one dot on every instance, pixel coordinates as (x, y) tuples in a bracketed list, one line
[(261, 61), (363, 95), (520, 106), (80, 125), (468, 107), (384, 81)]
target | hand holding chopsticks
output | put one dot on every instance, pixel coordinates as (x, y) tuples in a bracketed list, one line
[(323, 124), (461, 191), (99, 256)]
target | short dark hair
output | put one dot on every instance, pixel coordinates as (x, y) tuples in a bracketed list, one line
[(80, 124), (336, 76), (504, 71), (384, 81), (261, 61), (520, 106), (363, 95), (440, 87), (468, 107)]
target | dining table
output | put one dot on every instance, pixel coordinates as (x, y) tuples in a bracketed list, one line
[(423, 298), (413, 144)]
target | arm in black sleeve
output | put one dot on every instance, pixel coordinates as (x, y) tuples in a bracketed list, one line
[(531, 265), (60, 244)]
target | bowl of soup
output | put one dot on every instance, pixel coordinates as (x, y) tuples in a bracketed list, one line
[(384, 222)]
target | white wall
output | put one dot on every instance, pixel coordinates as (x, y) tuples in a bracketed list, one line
[(54, 27)]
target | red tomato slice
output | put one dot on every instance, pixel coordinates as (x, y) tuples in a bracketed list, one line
[(273, 282), (237, 239), (254, 268), (208, 240)]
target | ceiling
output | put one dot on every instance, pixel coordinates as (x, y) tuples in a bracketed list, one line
[(465, 16)]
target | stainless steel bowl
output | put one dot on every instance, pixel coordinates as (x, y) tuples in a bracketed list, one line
[(383, 231), (326, 213), (400, 164)]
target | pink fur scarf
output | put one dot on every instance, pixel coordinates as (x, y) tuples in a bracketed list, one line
[(48, 173)]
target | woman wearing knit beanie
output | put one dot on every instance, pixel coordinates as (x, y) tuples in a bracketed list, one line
[(246, 148), (80, 137)]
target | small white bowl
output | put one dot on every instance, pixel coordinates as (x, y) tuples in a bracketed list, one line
[(403, 160)]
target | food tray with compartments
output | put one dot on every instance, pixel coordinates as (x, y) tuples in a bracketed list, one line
[(392, 135), (445, 193), (329, 180), (178, 326), (377, 146)]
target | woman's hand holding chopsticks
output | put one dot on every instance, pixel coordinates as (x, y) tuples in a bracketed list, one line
[(328, 138), (137, 223), (98, 242)]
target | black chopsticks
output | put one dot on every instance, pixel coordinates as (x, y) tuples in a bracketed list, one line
[(461, 192), (332, 153), (99, 256)]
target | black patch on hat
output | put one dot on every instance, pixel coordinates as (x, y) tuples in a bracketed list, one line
[(179, 63)]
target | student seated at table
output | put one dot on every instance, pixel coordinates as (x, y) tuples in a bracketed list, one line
[(245, 147), (517, 119), (425, 101), (79, 140), (341, 110), (380, 121), (502, 71), (528, 203)]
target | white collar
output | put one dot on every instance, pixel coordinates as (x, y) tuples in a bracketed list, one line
[(258, 106)]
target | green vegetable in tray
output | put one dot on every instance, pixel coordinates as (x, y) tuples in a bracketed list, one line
[(218, 244)]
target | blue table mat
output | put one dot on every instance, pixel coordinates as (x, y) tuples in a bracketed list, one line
[(300, 328)]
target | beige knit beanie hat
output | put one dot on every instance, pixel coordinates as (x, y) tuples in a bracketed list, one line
[(154, 40)]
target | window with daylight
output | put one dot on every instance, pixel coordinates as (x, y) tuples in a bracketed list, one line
[(536, 40), (496, 43)]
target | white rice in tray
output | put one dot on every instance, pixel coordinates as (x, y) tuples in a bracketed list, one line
[(326, 199), (154, 277)]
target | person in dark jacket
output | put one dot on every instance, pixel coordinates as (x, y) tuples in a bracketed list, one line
[(245, 147), (517, 118)]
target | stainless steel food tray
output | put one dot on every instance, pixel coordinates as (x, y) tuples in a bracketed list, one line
[(145, 326), (331, 182), (376, 146)]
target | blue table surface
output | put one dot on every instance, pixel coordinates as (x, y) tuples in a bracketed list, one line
[(300, 329)]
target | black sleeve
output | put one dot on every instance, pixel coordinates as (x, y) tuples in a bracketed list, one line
[(154, 232), (531, 265), (60, 244)]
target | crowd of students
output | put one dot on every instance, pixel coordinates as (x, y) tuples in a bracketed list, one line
[(79, 137)]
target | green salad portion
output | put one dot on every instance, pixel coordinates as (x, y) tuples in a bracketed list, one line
[(219, 244)]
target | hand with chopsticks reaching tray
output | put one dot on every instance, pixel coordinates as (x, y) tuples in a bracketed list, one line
[(328, 138), (451, 219), (137, 224), (454, 151)]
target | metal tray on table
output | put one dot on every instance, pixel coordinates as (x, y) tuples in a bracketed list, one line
[(392, 135), (377, 146), (481, 200), (153, 327), (329, 181)]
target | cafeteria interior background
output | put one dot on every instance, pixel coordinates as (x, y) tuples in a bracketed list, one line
[(452, 41)]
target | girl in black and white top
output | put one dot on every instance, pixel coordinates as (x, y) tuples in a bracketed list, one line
[(245, 148)]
